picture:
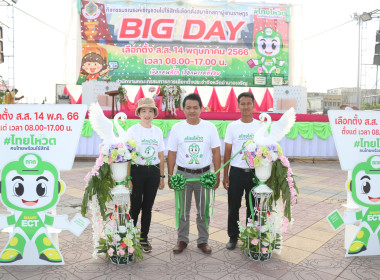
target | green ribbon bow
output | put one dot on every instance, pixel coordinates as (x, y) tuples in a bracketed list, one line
[(178, 183), (208, 181), (124, 182)]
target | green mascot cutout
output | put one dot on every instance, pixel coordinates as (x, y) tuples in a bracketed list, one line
[(365, 188), (268, 44), (29, 188)]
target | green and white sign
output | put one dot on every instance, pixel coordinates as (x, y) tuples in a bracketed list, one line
[(335, 220), (36, 142)]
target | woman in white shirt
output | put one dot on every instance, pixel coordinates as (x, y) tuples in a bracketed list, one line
[(148, 173)]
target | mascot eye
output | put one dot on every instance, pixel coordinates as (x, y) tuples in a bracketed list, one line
[(273, 46), (366, 187), (264, 46), (18, 189), (41, 189)]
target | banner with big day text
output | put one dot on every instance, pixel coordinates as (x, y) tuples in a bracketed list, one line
[(156, 43)]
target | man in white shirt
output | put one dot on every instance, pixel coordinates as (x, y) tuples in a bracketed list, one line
[(193, 144), (240, 177)]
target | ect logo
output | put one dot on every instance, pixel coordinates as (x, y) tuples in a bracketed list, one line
[(375, 162), (30, 161)]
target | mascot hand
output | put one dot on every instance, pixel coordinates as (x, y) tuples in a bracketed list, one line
[(61, 222), (3, 221), (349, 217)]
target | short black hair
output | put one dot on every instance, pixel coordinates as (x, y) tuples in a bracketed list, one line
[(192, 96), (246, 94)]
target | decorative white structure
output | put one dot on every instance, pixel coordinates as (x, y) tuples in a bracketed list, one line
[(278, 129), (118, 226), (104, 127), (120, 206), (263, 221), (119, 174)]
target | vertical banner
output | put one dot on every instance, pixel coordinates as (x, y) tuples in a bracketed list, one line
[(36, 142), (357, 140), (156, 42)]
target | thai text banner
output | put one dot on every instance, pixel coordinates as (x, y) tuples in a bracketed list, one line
[(157, 43)]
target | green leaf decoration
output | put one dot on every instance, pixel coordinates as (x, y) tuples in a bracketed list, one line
[(101, 186)]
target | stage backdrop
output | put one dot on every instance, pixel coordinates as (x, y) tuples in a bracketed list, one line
[(211, 45)]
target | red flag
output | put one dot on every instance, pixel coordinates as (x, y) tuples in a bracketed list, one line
[(267, 102), (214, 103), (231, 103)]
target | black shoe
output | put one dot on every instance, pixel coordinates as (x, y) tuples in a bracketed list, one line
[(231, 244)]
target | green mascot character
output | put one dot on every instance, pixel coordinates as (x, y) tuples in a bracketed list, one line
[(194, 153), (365, 188), (149, 155), (30, 187), (268, 45)]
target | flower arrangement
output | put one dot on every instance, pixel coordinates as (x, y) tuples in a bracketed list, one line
[(257, 156), (120, 152), (99, 182), (259, 239), (281, 180), (121, 243), (171, 98), (122, 95), (151, 89)]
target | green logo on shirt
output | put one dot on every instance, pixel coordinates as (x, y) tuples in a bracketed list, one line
[(246, 136), (149, 141), (149, 155), (193, 139), (194, 153)]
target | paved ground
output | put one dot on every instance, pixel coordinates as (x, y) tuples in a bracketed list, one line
[(312, 250)]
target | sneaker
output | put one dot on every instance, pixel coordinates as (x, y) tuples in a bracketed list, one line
[(146, 247)]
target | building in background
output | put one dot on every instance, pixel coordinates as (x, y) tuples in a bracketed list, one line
[(315, 102)]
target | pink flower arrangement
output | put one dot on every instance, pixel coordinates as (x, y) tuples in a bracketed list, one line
[(256, 156), (110, 252), (289, 179), (255, 241)]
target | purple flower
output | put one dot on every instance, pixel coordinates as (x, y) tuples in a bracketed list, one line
[(272, 147), (113, 146)]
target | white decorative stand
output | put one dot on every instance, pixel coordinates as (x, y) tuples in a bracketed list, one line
[(264, 223), (119, 174), (120, 206)]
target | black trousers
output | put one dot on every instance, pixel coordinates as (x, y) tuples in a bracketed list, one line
[(240, 182), (145, 180)]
